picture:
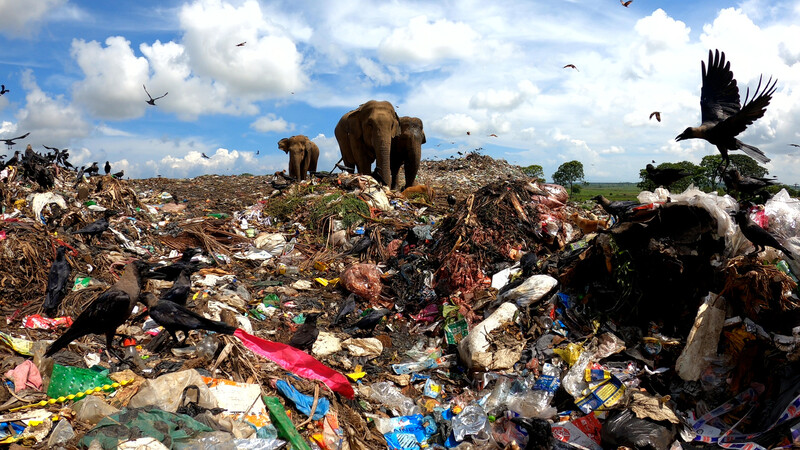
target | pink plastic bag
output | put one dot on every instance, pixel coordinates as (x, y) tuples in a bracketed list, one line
[(363, 280)]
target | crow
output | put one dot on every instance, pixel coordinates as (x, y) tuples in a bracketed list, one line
[(174, 317), (10, 142), (451, 200), (241, 44), (306, 335), (616, 209), (93, 169), (119, 174), (656, 114), (745, 185), (369, 322), (14, 159), (722, 116), (361, 246), (180, 290), (540, 434), (348, 306), (570, 66), (204, 156), (57, 281), (152, 100), (758, 236), (3, 89), (108, 311), (665, 176), (626, 3), (96, 228), (79, 178), (172, 271), (107, 168)]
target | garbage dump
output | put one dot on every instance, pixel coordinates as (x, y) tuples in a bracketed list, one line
[(483, 310)]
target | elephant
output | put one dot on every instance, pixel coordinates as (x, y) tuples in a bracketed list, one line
[(407, 150), (365, 135), (303, 155)]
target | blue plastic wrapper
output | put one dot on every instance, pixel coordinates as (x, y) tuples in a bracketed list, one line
[(410, 432), (303, 402)]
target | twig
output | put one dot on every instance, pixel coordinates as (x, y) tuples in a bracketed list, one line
[(313, 407)]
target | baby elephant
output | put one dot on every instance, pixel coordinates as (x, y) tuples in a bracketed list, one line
[(407, 150), (303, 155)]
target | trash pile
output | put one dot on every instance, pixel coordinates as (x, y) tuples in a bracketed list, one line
[(480, 310)]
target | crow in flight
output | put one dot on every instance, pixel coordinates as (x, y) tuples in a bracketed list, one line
[(656, 114), (204, 156), (241, 44), (3, 89), (722, 116), (665, 176), (152, 100), (570, 66), (626, 3), (10, 142)]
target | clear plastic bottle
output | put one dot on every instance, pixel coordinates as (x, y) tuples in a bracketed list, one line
[(496, 403), (536, 402), (207, 347), (388, 395)]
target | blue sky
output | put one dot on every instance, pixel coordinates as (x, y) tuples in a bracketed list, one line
[(75, 72)]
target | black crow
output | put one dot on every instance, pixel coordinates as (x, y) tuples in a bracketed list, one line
[(174, 317), (3, 89), (758, 236), (361, 246), (108, 311), (568, 66), (745, 185), (57, 281), (180, 290), (93, 169), (172, 271), (204, 156), (10, 142), (348, 306), (152, 100), (656, 114), (722, 116), (369, 322), (79, 178), (618, 209), (119, 174), (14, 159), (107, 168), (665, 176), (451, 200), (96, 228), (306, 335)]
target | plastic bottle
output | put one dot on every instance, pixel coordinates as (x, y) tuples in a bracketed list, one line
[(536, 402), (496, 402), (207, 347), (388, 395)]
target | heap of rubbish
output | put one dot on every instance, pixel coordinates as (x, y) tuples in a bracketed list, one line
[(480, 310)]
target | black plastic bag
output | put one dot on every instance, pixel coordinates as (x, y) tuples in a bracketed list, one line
[(625, 429)]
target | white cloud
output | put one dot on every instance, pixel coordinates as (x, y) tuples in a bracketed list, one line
[(112, 87), (19, 18), (423, 42), (50, 120), (453, 125), (270, 123)]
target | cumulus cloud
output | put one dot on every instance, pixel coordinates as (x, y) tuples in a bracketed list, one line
[(51, 120), (456, 124), (19, 18), (270, 123), (423, 41), (503, 100), (112, 87)]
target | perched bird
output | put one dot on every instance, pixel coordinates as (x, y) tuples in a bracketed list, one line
[(626, 3), (540, 434), (3, 89), (152, 100), (119, 174), (96, 228), (108, 311), (107, 168), (570, 66), (369, 322), (665, 176), (10, 142), (173, 271), (758, 236), (618, 209), (306, 335), (79, 177), (656, 114), (361, 246), (57, 281), (180, 290), (14, 159), (451, 200), (348, 306), (204, 156), (241, 44), (93, 169), (722, 116), (745, 185), (174, 317)]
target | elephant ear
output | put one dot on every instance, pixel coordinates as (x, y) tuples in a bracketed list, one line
[(283, 144), (423, 138), (397, 130), (354, 123)]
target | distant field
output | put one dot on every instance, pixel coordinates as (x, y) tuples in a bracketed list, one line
[(613, 191)]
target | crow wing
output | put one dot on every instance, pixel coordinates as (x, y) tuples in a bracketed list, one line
[(719, 96), (751, 110)]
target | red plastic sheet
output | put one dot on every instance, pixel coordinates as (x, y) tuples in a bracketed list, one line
[(297, 362)]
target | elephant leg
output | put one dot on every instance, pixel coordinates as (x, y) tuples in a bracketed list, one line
[(411, 169), (396, 162)]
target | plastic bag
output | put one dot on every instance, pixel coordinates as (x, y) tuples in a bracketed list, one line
[(166, 391), (92, 409), (625, 429), (304, 402), (536, 402), (363, 280), (472, 421), (531, 290), (388, 395)]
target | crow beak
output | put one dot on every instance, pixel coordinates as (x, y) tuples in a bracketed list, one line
[(679, 137)]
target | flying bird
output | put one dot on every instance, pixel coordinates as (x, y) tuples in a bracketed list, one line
[(241, 44), (468, 133), (626, 3), (205, 156), (10, 142), (795, 145), (571, 66), (152, 100), (174, 317), (492, 135), (665, 176), (3, 89), (723, 117), (758, 236), (108, 311), (306, 335), (656, 114), (57, 281)]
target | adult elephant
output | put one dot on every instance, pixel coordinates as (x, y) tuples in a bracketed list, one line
[(365, 135), (407, 150), (303, 155)]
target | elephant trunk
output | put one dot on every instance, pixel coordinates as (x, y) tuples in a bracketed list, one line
[(383, 151)]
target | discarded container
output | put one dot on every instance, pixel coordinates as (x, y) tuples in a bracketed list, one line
[(66, 380), (286, 429), (536, 402), (473, 422), (304, 402), (387, 394)]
